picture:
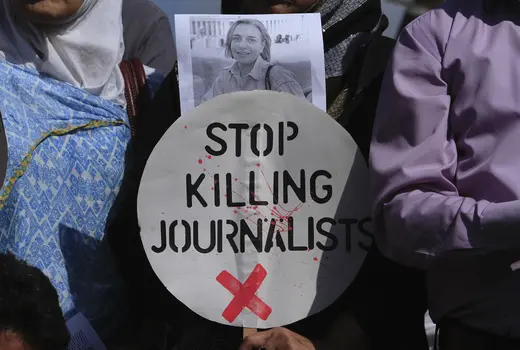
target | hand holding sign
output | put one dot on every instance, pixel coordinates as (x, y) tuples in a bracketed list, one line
[(263, 209), (277, 339)]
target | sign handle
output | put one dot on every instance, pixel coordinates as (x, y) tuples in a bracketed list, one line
[(249, 331)]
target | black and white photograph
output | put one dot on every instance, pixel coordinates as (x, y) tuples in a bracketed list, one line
[(221, 54)]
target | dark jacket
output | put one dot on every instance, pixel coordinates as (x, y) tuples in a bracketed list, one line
[(386, 303)]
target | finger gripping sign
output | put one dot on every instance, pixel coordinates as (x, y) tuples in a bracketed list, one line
[(253, 209)]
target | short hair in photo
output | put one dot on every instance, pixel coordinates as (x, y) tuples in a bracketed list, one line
[(266, 38)]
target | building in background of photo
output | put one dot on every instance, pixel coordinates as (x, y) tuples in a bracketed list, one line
[(208, 35)]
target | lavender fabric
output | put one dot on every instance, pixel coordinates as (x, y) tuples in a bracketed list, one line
[(445, 161)]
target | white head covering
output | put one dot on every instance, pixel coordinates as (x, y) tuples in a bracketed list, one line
[(84, 50)]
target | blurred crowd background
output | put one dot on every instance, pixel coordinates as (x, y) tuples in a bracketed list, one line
[(399, 12)]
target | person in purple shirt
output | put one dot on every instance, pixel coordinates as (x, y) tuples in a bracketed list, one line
[(445, 167)]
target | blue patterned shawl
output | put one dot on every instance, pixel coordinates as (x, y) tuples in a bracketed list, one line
[(66, 160)]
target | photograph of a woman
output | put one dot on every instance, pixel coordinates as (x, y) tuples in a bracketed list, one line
[(223, 54), (249, 44)]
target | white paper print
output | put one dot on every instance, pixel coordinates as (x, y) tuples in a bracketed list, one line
[(254, 209), (82, 335), (219, 54)]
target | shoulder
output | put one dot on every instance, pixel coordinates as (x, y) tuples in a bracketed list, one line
[(223, 75), (279, 68), (432, 30), (281, 74), (137, 12)]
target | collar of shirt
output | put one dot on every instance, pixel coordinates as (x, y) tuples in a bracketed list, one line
[(257, 73)]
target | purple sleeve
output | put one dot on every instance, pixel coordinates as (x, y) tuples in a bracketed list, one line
[(417, 208)]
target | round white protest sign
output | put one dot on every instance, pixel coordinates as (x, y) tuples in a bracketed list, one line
[(253, 209)]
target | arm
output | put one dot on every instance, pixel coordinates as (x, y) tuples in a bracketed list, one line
[(147, 293), (148, 35), (417, 208), (283, 80), (158, 48)]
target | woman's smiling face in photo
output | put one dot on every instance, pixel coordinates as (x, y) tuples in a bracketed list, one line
[(246, 43)]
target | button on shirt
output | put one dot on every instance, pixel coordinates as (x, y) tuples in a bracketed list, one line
[(445, 161), (230, 80)]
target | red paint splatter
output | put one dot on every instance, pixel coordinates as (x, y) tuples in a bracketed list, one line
[(212, 188), (289, 213), (235, 212), (236, 179), (200, 161), (315, 259), (185, 126), (209, 157), (225, 196)]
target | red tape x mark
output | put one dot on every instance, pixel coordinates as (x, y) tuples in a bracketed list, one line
[(244, 294)]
